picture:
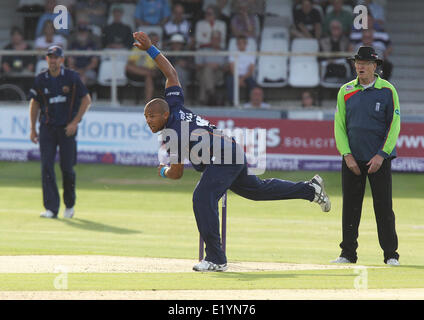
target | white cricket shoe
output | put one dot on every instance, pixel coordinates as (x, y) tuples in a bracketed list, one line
[(206, 266), (341, 260), (69, 213), (393, 262), (48, 214), (321, 196)]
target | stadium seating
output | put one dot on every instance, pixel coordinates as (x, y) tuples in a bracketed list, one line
[(279, 8), (304, 70), (334, 82), (251, 45), (41, 66), (106, 71), (128, 16), (273, 70)]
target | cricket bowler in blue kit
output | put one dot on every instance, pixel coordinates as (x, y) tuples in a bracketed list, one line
[(170, 117), (58, 99)]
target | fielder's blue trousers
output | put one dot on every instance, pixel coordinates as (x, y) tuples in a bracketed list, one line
[(216, 179), (50, 138)]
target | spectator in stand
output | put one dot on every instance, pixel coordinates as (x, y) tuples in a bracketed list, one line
[(382, 48), (82, 20), (257, 100), (18, 69), (308, 99), (210, 72), (379, 32), (307, 22), (246, 70), (17, 64), (192, 8), (181, 64), (143, 69), (338, 13), (178, 24), (205, 27), (376, 10), (223, 9), (257, 8), (49, 37), (96, 11), (86, 66), (244, 23), (117, 35), (335, 42), (50, 15), (152, 13)]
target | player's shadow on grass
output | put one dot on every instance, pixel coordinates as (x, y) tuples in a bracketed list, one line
[(99, 227)]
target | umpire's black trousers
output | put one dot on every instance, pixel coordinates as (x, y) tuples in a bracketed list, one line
[(50, 138), (353, 188)]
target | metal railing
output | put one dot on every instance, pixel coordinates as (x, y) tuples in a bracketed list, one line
[(115, 54)]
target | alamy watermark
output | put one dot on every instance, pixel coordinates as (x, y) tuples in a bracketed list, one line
[(361, 20), (361, 280), (60, 282), (61, 20), (214, 146)]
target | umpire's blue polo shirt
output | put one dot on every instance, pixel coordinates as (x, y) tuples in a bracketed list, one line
[(59, 97)]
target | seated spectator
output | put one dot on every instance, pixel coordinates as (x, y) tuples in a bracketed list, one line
[(117, 35), (335, 68), (177, 24), (376, 10), (379, 32), (49, 37), (96, 11), (86, 66), (307, 22), (181, 64), (192, 8), (308, 99), (244, 23), (257, 100), (143, 69), (152, 13), (19, 69), (205, 27), (17, 64), (223, 8), (246, 70), (210, 72), (257, 8), (343, 16), (50, 15), (82, 20), (382, 48)]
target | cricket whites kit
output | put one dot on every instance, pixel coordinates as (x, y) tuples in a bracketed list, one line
[(218, 175), (367, 122), (59, 98)]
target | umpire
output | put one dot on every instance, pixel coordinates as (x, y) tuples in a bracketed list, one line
[(59, 100), (366, 127)]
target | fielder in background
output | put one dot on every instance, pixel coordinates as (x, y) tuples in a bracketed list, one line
[(366, 127), (59, 100), (217, 175)]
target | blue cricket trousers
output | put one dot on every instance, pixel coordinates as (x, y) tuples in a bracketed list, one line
[(50, 138), (216, 179)]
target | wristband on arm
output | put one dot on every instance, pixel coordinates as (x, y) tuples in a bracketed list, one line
[(162, 171), (153, 52)]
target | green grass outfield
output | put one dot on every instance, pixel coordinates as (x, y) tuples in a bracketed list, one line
[(129, 211)]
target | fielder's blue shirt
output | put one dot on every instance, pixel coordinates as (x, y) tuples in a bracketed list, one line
[(59, 97), (190, 130)]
